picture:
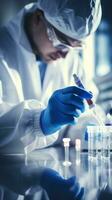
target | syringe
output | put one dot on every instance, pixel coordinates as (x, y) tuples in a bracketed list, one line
[(90, 103)]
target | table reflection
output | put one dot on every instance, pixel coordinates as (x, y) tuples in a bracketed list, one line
[(15, 170)]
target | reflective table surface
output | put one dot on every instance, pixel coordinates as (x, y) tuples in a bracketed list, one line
[(95, 176)]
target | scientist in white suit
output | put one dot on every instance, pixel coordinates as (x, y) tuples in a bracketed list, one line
[(36, 101)]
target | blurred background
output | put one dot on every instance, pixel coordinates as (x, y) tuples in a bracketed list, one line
[(98, 52)]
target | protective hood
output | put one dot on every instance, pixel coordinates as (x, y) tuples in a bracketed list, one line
[(75, 18)]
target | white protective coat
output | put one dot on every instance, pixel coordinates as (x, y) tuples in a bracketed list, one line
[(21, 96)]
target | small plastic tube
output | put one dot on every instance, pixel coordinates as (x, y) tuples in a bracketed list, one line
[(78, 144), (66, 142), (78, 150)]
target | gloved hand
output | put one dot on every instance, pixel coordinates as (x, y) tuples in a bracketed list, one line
[(59, 188), (63, 106)]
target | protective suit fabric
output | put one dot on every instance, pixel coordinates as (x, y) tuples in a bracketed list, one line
[(22, 98), (76, 19)]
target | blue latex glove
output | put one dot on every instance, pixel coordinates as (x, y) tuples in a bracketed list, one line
[(59, 188), (63, 106)]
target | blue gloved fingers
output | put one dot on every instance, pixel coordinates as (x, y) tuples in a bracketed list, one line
[(69, 109), (71, 99), (65, 118), (76, 103), (71, 181), (63, 109), (79, 112), (51, 176), (76, 113), (75, 186), (79, 91), (80, 195), (75, 189)]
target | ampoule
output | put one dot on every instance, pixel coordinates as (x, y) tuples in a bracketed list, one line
[(90, 102), (66, 142)]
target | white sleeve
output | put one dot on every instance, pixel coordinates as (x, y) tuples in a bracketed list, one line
[(23, 122), (33, 136), (20, 120)]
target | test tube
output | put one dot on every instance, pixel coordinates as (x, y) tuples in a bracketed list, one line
[(66, 142), (89, 101), (106, 131), (94, 142), (79, 83)]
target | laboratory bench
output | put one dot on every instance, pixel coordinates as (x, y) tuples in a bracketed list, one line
[(94, 175)]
